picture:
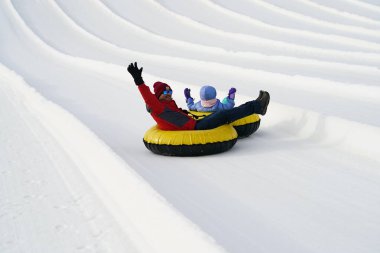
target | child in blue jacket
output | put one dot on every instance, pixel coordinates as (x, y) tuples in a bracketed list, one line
[(209, 102)]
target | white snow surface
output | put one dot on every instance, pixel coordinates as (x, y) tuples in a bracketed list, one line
[(75, 175)]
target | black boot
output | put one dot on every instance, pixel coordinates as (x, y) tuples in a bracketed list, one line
[(264, 102), (260, 95)]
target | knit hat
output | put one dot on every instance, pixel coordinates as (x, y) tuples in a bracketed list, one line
[(207, 93), (159, 87)]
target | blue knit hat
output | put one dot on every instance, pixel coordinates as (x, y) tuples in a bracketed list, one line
[(207, 92)]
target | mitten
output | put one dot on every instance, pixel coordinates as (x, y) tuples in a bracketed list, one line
[(186, 92), (231, 93), (135, 73)]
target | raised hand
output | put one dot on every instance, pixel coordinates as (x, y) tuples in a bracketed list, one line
[(231, 93), (135, 73), (187, 94)]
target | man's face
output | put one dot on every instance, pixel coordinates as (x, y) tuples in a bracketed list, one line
[(166, 95)]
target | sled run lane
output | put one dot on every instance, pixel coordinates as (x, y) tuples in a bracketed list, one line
[(63, 190)]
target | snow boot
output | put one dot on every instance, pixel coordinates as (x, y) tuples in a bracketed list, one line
[(260, 95), (264, 101)]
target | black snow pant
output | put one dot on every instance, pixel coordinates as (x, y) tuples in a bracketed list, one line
[(227, 116)]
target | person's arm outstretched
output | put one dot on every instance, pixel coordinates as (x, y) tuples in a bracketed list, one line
[(189, 100), (150, 99), (229, 101)]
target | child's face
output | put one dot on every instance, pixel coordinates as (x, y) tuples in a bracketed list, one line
[(166, 95)]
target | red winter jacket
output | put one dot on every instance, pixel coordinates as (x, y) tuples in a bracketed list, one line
[(166, 113)]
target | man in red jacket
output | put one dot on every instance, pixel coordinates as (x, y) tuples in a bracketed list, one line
[(168, 116)]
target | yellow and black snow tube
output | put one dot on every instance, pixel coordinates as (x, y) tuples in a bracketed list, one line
[(190, 142), (244, 126)]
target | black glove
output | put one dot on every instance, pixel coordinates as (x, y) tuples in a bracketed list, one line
[(135, 73)]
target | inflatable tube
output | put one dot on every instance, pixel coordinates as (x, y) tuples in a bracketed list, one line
[(244, 126), (247, 125), (190, 142)]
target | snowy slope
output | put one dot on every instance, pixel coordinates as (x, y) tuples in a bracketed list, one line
[(75, 175)]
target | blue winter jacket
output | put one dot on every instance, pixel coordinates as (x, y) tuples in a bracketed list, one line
[(218, 106)]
